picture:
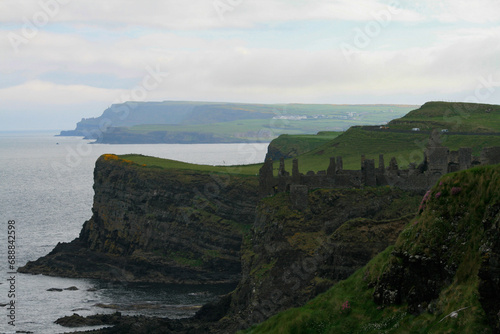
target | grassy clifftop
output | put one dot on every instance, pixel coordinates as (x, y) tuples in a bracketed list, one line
[(454, 116), (440, 277), (159, 163), (468, 124), (289, 146)]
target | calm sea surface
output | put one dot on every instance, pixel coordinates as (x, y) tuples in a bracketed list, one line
[(46, 188)]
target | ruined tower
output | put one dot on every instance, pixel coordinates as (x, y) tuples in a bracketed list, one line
[(295, 171), (266, 178), (369, 178), (281, 170), (332, 168), (340, 164), (381, 164)]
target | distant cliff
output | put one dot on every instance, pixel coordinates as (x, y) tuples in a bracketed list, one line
[(151, 224), (166, 113), (290, 146), (210, 122)]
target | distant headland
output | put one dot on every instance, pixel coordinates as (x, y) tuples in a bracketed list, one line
[(209, 122)]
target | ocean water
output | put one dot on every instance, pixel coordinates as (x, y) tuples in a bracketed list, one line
[(45, 197)]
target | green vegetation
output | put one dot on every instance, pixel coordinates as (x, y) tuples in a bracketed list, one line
[(152, 162), (245, 130), (455, 117), (350, 145), (284, 119), (324, 313), (293, 145), (450, 226), (470, 125)]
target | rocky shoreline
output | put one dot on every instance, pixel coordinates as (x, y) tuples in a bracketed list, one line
[(204, 321)]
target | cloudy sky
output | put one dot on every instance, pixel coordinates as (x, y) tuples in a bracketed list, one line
[(61, 60)]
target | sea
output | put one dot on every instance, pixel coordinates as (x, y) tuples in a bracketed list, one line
[(45, 197)]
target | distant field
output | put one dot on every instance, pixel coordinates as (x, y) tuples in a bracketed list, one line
[(225, 123), (252, 129)]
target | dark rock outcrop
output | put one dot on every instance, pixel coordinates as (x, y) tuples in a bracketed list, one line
[(126, 324)]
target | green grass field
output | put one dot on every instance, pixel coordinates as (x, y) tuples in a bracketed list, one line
[(152, 162), (294, 145), (456, 117), (405, 145)]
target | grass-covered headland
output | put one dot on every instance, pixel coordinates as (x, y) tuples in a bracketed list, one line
[(168, 164)]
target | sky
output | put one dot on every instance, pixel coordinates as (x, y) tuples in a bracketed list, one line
[(64, 60)]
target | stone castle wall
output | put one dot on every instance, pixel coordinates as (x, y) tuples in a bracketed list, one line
[(438, 160)]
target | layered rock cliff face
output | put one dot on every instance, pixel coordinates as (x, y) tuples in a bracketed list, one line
[(292, 255), (157, 225), (166, 225)]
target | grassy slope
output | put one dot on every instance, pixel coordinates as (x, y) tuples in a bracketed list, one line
[(428, 230), (408, 146), (356, 141), (152, 162), (294, 145), (462, 117)]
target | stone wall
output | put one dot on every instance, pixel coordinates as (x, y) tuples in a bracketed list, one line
[(438, 160)]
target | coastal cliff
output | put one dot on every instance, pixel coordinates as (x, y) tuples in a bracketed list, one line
[(158, 225), (189, 225), (293, 254), (441, 276)]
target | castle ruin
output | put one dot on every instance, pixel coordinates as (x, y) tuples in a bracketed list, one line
[(438, 160)]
